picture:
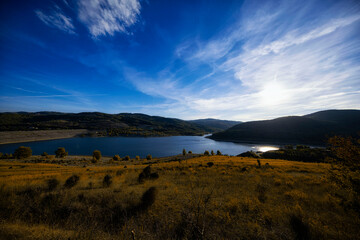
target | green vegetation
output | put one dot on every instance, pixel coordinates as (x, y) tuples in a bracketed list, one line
[(301, 153), (22, 152), (149, 157)]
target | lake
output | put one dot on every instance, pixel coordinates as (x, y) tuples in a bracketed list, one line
[(132, 146)]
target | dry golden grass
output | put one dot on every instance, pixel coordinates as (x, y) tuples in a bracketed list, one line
[(233, 199)]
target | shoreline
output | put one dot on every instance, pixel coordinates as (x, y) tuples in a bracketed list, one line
[(10, 137)]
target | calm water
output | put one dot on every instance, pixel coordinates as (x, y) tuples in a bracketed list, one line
[(132, 146)]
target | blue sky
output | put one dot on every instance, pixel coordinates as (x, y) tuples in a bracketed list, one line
[(240, 60)]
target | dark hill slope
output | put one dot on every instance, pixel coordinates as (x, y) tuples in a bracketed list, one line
[(117, 124), (215, 125), (310, 129)]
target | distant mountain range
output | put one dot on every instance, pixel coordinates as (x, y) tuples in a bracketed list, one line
[(313, 128), (111, 124)]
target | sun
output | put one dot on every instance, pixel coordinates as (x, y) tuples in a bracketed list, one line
[(273, 93)]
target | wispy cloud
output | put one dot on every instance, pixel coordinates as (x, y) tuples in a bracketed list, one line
[(57, 19), (259, 65), (104, 17)]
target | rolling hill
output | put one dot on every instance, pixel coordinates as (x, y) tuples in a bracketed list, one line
[(313, 128), (107, 124), (215, 125)]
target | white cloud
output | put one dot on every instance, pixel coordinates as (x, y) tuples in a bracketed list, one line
[(57, 19), (104, 17)]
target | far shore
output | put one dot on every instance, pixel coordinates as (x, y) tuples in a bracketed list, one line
[(8, 137)]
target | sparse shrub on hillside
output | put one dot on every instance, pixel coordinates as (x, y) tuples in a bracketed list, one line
[(212, 153), (259, 163), (149, 157), (44, 154), (52, 184), (107, 181), (249, 154), (137, 158), (147, 174), (126, 158), (190, 152), (218, 153), (116, 158), (210, 164), (97, 155), (148, 198), (71, 181), (60, 152), (206, 153), (184, 152), (22, 152)]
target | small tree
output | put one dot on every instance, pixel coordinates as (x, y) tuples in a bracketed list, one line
[(149, 157), (190, 152), (137, 158), (218, 153), (60, 152), (184, 152), (22, 152), (116, 158), (97, 155), (206, 153), (212, 153), (127, 158)]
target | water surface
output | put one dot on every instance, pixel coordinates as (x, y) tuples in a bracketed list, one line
[(132, 146)]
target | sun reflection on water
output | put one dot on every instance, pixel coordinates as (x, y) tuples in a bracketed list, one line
[(266, 148)]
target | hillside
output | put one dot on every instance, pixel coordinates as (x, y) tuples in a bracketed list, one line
[(215, 125), (107, 124), (314, 128)]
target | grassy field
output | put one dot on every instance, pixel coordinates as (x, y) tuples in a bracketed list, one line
[(207, 197)]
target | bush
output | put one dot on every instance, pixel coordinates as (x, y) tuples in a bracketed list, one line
[(126, 158), (147, 174), (210, 164), (190, 152), (184, 152), (218, 153), (149, 157), (97, 155), (206, 153), (148, 198), (137, 158), (44, 154), (116, 158), (212, 153), (52, 184), (107, 181), (71, 181), (22, 152), (249, 154), (60, 152)]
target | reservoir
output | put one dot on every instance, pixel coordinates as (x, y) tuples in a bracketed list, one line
[(141, 146)]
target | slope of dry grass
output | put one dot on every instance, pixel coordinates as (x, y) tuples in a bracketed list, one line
[(233, 199)]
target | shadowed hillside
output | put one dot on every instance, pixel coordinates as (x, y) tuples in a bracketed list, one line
[(215, 124), (314, 128), (108, 124)]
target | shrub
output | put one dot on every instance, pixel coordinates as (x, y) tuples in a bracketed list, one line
[(149, 157), (218, 153), (52, 184), (212, 153), (107, 181), (248, 154), (184, 152), (206, 153), (190, 152), (116, 158), (148, 198), (147, 174), (97, 155), (44, 154), (60, 152), (210, 164), (137, 158), (22, 152), (71, 181), (300, 228), (126, 158)]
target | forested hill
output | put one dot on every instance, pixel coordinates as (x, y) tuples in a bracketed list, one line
[(313, 128), (107, 124), (215, 125)]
